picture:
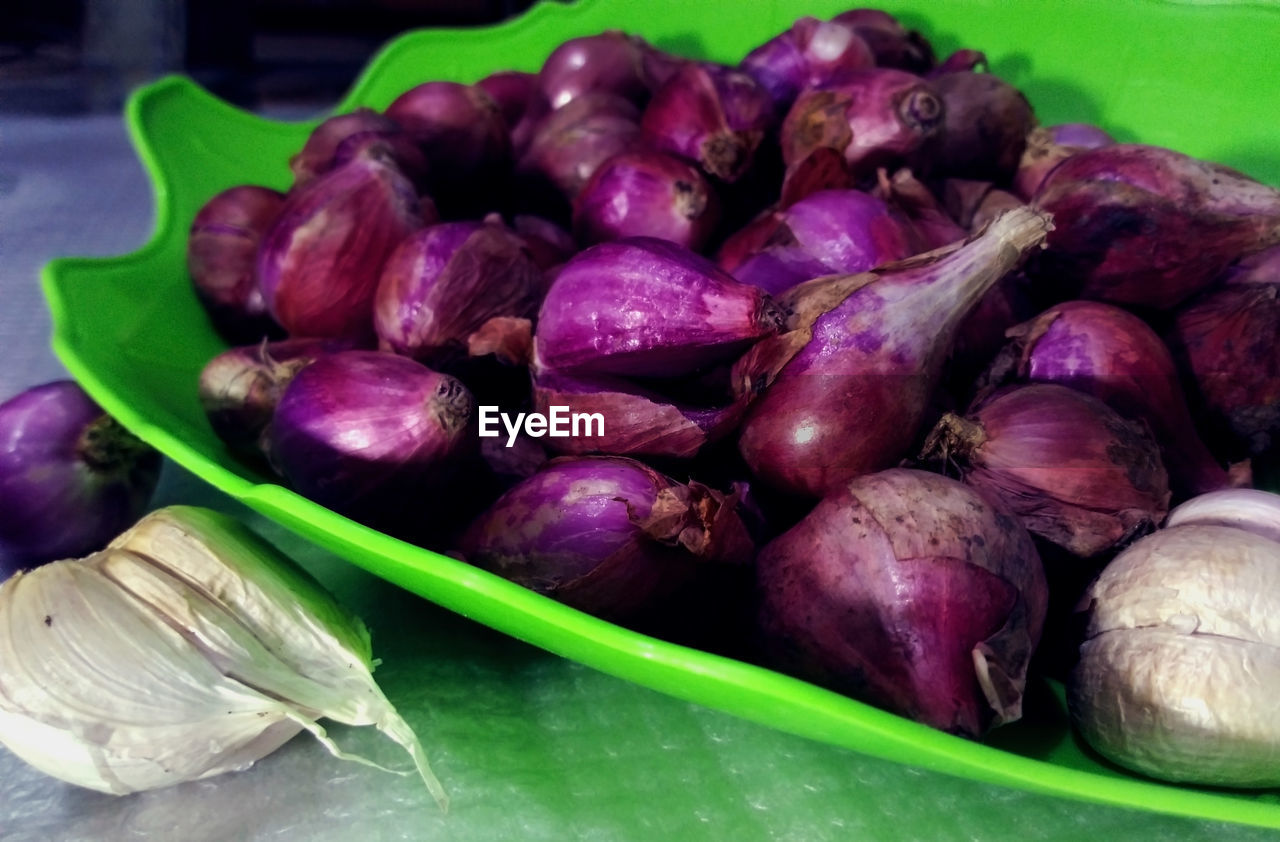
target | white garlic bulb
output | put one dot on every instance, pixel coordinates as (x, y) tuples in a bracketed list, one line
[(189, 647)]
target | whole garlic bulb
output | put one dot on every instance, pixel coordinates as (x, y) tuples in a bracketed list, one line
[(187, 648), (1179, 672)]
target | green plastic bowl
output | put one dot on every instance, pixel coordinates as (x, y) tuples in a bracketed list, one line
[(1200, 78)]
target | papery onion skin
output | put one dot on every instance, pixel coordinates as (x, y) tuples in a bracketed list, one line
[(372, 435), (71, 477), (875, 118), (810, 53), (324, 148), (1250, 509), (984, 127), (605, 534), (1047, 146), (892, 44), (547, 243), (646, 194), (712, 115), (222, 245), (1144, 226), (239, 388), (1180, 663), (1115, 356), (647, 307), (445, 281), (910, 591), (1227, 341), (1077, 473), (319, 264), (851, 400)]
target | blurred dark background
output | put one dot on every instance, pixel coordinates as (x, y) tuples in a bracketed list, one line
[(82, 56)]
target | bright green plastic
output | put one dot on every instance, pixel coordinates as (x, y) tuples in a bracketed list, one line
[(1202, 78)]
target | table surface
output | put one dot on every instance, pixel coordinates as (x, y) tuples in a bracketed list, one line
[(530, 746)]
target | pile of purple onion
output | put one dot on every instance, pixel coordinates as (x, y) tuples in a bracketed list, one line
[(835, 359)]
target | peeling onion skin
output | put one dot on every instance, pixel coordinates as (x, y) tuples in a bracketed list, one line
[(70, 476), (646, 307), (1180, 666), (910, 591), (1047, 146), (809, 54), (852, 398), (222, 247), (1115, 356), (1077, 473), (605, 534), (1144, 226)]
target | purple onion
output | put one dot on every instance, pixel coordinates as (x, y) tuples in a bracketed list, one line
[(571, 142), (319, 264), (611, 62), (892, 44), (710, 114), (910, 196), (221, 248), (547, 243), (606, 534), (1047, 146), (746, 241), (809, 54), (397, 148), (851, 385), (1077, 473), (461, 131), (1227, 343), (512, 91), (910, 591), (875, 118), (646, 193), (647, 307), (984, 128), (636, 421), (442, 283), (833, 231), (240, 387), (1115, 356), (1144, 226), (372, 435), (329, 145), (71, 478)]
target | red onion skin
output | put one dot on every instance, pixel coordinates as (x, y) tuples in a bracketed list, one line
[(320, 262), (876, 118), (712, 115), (810, 53), (744, 242), (571, 142), (637, 421), (372, 435), (1077, 473), (894, 586), (984, 128), (646, 193), (1107, 352), (240, 387), (319, 154), (611, 62), (854, 397), (961, 61), (71, 478), (829, 232), (445, 281), (461, 131), (397, 147), (892, 44), (1227, 343), (512, 91), (607, 535), (1047, 146), (547, 243), (1143, 226), (221, 248), (906, 193), (646, 307)]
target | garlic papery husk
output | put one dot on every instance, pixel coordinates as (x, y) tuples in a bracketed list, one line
[(1250, 509), (1180, 668), (187, 648)]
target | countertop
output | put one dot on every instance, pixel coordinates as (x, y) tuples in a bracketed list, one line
[(529, 746)]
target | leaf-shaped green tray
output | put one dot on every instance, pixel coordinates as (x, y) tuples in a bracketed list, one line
[(1202, 78)]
